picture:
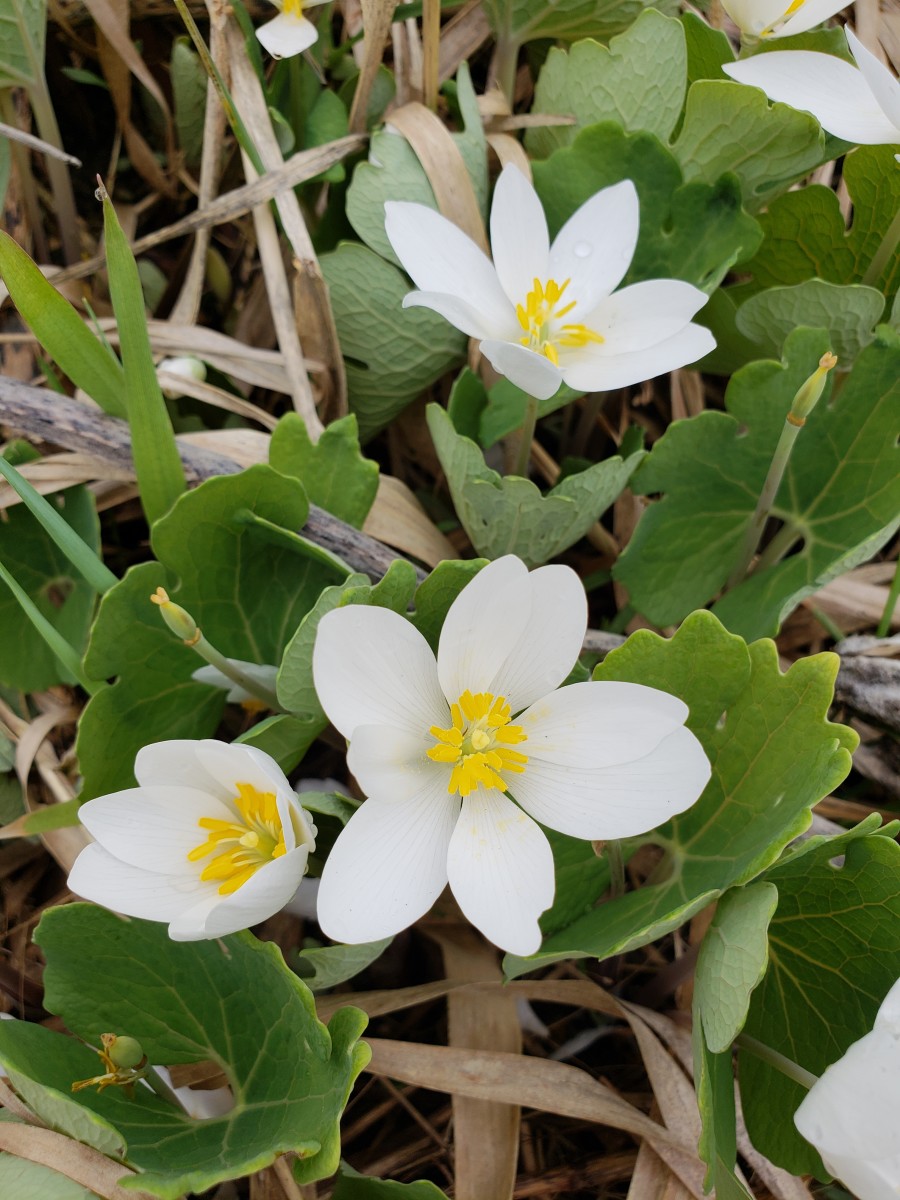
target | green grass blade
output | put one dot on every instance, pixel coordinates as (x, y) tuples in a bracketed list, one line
[(88, 564), (157, 464), (60, 330), (67, 656)]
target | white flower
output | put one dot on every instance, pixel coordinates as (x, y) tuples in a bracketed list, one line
[(547, 315), (850, 1114), (857, 105), (264, 675), (438, 745), (779, 18), (187, 367), (289, 33), (212, 840)]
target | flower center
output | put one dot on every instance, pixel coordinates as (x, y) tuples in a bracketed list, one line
[(540, 317), (240, 848), (476, 744), (795, 6), (294, 8)]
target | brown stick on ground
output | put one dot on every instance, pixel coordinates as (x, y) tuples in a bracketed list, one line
[(45, 416)]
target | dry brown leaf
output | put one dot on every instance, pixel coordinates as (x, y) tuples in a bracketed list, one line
[(464, 33), (84, 1165), (377, 16), (216, 397), (653, 1180), (509, 150), (485, 1134), (398, 519)]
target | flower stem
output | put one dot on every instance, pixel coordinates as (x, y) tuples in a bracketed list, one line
[(804, 402), (785, 1065), (506, 58), (616, 862), (883, 254), (884, 625), (526, 434), (218, 660)]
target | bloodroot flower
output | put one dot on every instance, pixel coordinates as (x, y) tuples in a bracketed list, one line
[(850, 1114), (549, 314), (212, 840), (290, 32), (780, 18), (461, 757)]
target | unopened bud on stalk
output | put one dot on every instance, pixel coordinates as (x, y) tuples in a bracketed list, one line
[(178, 620), (810, 392), (122, 1051)]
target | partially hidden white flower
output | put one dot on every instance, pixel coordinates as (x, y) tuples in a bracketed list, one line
[(187, 367), (289, 33), (201, 1103), (212, 840), (441, 748), (263, 674), (549, 314), (850, 1114), (857, 105), (780, 18)]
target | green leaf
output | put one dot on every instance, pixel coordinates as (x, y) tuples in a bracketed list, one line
[(773, 756), (352, 1186), (23, 31), (506, 406), (519, 21), (284, 737), (189, 1003), (714, 1080), (848, 312), (707, 49), (296, 690), (333, 471), (692, 231), (247, 595), (60, 595), (509, 515), (841, 490), (82, 556), (834, 953), (399, 175), (157, 463), (61, 331), (729, 127), (638, 82), (392, 355), (189, 80), (327, 121), (435, 594), (805, 233), (732, 961), (327, 966), (19, 1177)]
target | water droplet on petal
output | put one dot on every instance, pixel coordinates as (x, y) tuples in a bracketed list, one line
[(582, 249)]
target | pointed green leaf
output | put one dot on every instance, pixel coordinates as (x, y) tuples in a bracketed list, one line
[(333, 471), (520, 21), (848, 312)]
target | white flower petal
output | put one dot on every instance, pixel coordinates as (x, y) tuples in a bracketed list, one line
[(616, 801), (388, 865), (753, 16), (645, 314), (520, 243), (532, 372), (595, 247), (888, 1017), (836, 94), (869, 1180), (175, 764), (266, 892), (153, 828), (371, 667), (460, 313), (287, 35), (810, 14), (598, 724), (264, 675), (596, 371), (551, 641), (96, 875), (483, 627), (501, 871), (392, 764), (439, 257), (884, 87)]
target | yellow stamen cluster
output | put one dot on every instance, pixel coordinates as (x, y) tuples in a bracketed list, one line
[(795, 6), (539, 315), (477, 743), (240, 848), (293, 8)]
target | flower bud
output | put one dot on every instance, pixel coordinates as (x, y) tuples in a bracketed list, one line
[(187, 367), (178, 619), (122, 1051), (808, 396)]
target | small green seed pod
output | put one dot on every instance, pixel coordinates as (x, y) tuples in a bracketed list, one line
[(124, 1052)]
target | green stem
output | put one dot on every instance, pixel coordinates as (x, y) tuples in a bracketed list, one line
[(884, 625), (883, 254), (616, 861), (218, 660), (284, 538), (506, 58), (786, 1066), (526, 434), (784, 540)]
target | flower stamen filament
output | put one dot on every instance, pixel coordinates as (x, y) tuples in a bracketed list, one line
[(240, 847), (539, 318), (793, 7), (477, 743)]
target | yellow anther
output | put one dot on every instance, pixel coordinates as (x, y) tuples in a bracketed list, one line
[(476, 743), (240, 847), (540, 317), (795, 6), (293, 8)]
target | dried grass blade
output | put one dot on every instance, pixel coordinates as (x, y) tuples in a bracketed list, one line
[(377, 18), (76, 1161)]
